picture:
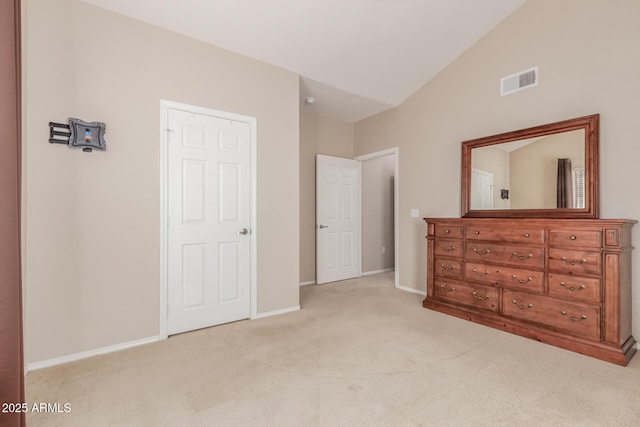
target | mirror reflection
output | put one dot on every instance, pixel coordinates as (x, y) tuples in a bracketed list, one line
[(545, 172)]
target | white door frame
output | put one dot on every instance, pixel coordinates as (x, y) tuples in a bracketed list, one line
[(396, 203), (164, 247)]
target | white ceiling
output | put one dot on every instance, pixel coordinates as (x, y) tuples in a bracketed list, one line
[(356, 57)]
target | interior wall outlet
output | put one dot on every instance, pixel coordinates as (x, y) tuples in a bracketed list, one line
[(384, 249), (415, 213)]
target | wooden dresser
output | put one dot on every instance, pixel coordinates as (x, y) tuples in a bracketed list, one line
[(563, 282)]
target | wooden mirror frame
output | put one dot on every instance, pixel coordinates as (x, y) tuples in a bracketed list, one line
[(590, 126)]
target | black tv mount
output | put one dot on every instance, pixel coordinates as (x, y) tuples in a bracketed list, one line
[(80, 134)]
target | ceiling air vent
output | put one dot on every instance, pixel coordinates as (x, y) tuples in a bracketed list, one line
[(519, 81)]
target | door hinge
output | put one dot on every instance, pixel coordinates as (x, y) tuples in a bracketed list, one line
[(169, 132)]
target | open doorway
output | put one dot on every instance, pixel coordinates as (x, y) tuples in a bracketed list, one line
[(379, 186)]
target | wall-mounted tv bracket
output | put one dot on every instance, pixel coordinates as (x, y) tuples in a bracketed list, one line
[(80, 134)]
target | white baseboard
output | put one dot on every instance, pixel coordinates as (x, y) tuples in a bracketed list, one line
[(85, 354), (312, 282), (384, 270), (412, 290), (276, 312)]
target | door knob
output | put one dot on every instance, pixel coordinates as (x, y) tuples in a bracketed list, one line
[(243, 231), (323, 226)]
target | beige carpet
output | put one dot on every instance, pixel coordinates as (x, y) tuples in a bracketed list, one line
[(359, 353)]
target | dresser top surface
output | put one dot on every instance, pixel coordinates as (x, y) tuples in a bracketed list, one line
[(528, 222)]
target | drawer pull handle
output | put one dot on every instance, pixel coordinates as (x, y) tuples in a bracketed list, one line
[(480, 273), (571, 288), (444, 288), (520, 306), (447, 248), (479, 297), (520, 257), (515, 279), (573, 319), (447, 267), (477, 233), (573, 261), (526, 234), (481, 251), (448, 231), (572, 237)]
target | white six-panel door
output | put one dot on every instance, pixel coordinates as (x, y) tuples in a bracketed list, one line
[(208, 236), (337, 219), (481, 189)]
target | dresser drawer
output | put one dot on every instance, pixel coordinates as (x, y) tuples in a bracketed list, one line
[(484, 297), (514, 255), (453, 231), (506, 234), (575, 262), (509, 277), (448, 267), (573, 287), (578, 319), (575, 238), (452, 248)]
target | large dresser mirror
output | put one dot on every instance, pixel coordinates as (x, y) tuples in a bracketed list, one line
[(548, 171)]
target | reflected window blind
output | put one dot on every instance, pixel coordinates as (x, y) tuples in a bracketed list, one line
[(578, 187)]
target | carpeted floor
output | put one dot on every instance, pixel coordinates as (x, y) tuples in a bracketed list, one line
[(359, 353)]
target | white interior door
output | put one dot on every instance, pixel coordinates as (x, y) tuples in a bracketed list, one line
[(481, 189), (338, 250), (209, 217)]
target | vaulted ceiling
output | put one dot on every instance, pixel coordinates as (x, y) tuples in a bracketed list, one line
[(355, 57)]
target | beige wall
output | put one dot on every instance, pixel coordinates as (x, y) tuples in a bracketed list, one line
[(318, 135), (92, 267), (534, 169), (377, 213), (587, 54)]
